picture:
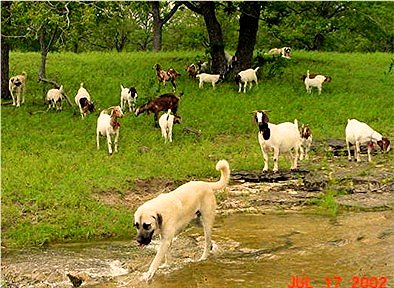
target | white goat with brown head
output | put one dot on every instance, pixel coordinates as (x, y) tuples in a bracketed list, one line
[(108, 125)]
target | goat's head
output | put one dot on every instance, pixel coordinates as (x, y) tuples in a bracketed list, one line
[(238, 79), (177, 119), (261, 118), (328, 79), (133, 93), (141, 109), (305, 131), (116, 112), (157, 67), (384, 144)]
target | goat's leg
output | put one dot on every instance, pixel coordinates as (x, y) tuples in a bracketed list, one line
[(302, 153), (294, 158), (319, 88), (240, 87), (170, 133), (245, 85), (98, 139), (109, 143), (370, 145), (116, 139), (276, 159), (173, 85), (349, 156), (357, 152), (250, 85), (266, 158), (201, 84)]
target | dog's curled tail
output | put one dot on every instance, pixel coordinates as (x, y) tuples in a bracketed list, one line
[(224, 169)]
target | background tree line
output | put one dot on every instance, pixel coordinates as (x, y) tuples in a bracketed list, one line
[(240, 27)]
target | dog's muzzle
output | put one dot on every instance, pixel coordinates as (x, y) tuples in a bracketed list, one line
[(145, 238)]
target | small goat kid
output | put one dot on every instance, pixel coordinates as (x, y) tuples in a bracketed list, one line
[(230, 60), (82, 99), (315, 81), (166, 122), (163, 76), (108, 125), (360, 133), (283, 137), (129, 96), (17, 86), (209, 78), (306, 141), (243, 77), (158, 104), (55, 98)]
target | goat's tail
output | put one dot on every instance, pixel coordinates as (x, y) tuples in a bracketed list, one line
[(307, 74), (81, 85), (296, 123), (224, 169)]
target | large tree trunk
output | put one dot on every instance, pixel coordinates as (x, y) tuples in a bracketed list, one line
[(157, 26), (5, 49), (215, 35), (248, 27)]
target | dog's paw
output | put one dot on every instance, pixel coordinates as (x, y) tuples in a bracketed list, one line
[(147, 276)]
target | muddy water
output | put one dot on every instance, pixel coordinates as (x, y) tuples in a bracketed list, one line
[(249, 251)]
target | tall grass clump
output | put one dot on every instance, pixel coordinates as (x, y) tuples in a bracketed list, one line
[(51, 169)]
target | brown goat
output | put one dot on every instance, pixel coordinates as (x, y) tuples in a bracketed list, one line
[(163, 76), (158, 104)]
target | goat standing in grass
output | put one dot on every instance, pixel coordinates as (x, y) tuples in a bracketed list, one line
[(245, 76), (129, 96), (283, 137), (55, 98), (108, 125), (163, 76), (166, 122), (359, 133), (82, 99)]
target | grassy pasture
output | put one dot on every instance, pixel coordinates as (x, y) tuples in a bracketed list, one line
[(51, 167)]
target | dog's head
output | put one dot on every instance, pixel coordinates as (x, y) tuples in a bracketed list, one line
[(148, 224)]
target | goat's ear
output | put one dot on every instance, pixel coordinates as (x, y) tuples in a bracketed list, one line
[(266, 132)]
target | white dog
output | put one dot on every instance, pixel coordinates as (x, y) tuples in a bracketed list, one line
[(17, 85), (167, 214)]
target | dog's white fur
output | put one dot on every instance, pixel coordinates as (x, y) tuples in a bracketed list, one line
[(82, 93), (209, 78), (284, 52), (169, 213), (55, 98), (17, 86), (245, 76), (166, 122), (315, 82), (107, 126), (359, 133)]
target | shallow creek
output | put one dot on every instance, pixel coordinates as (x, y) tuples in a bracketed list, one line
[(248, 251)]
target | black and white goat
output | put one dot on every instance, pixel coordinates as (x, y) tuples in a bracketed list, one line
[(360, 133), (129, 96), (82, 99), (245, 76), (280, 138)]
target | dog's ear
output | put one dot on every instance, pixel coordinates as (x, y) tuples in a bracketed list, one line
[(159, 220)]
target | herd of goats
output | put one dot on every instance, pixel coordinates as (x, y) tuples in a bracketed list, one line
[(279, 138)]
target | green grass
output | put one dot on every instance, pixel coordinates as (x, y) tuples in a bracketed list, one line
[(51, 168)]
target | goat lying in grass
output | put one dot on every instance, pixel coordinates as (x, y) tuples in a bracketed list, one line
[(243, 77), (163, 76), (360, 133), (129, 96), (312, 80), (55, 98), (158, 104), (17, 86), (108, 125), (166, 122), (306, 141), (82, 99), (209, 78), (283, 137)]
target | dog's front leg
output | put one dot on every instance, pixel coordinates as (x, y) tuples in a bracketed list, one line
[(164, 246)]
